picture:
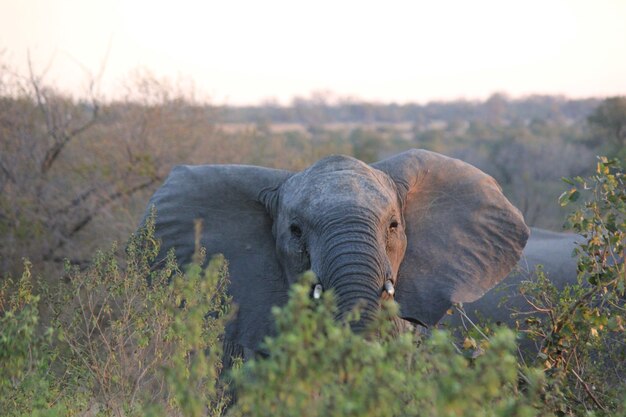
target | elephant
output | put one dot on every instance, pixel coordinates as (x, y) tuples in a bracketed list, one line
[(423, 228)]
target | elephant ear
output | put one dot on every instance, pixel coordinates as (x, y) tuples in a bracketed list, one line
[(234, 204), (463, 235)]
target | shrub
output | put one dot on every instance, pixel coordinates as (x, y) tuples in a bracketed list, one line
[(26, 385), (319, 367), (580, 330), (130, 340)]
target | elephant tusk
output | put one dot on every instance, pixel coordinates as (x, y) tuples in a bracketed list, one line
[(317, 291), (389, 287)]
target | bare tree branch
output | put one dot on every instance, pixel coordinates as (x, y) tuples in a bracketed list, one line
[(78, 200), (59, 130), (7, 172), (86, 219), (53, 153), (107, 201)]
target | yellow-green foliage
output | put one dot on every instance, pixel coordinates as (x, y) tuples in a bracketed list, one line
[(129, 340), (26, 386), (319, 367), (580, 330)]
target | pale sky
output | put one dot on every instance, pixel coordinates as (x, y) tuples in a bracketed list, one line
[(245, 52)]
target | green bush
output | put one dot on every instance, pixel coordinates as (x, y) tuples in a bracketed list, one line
[(580, 330), (130, 340), (319, 367), (26, 384)]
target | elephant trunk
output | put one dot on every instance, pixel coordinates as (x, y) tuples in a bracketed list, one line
[(362, 298), (356, 270)]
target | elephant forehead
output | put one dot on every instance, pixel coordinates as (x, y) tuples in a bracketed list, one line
[(348, 188), (337, 164)]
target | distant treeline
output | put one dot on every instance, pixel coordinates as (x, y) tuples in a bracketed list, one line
[(527, 144), (319, 110)]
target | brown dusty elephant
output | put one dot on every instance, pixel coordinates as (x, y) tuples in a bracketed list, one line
[(424, 228)]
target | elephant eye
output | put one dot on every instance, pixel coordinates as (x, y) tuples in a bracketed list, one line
[(295, 230), (393, 225)]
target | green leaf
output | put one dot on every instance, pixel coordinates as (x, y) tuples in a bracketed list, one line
[(569, 196)]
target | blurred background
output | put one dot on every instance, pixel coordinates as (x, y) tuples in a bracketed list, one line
[(98, 100)]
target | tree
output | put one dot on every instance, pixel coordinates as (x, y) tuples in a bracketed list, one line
[(71, 171), (608, 122)]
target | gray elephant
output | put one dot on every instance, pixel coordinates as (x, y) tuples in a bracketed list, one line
[(554, 251), (427, 229)]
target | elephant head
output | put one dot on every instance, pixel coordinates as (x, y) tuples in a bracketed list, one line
[(424, 228)]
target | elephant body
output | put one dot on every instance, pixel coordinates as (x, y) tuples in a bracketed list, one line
[(552, 250), (421, 227)]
